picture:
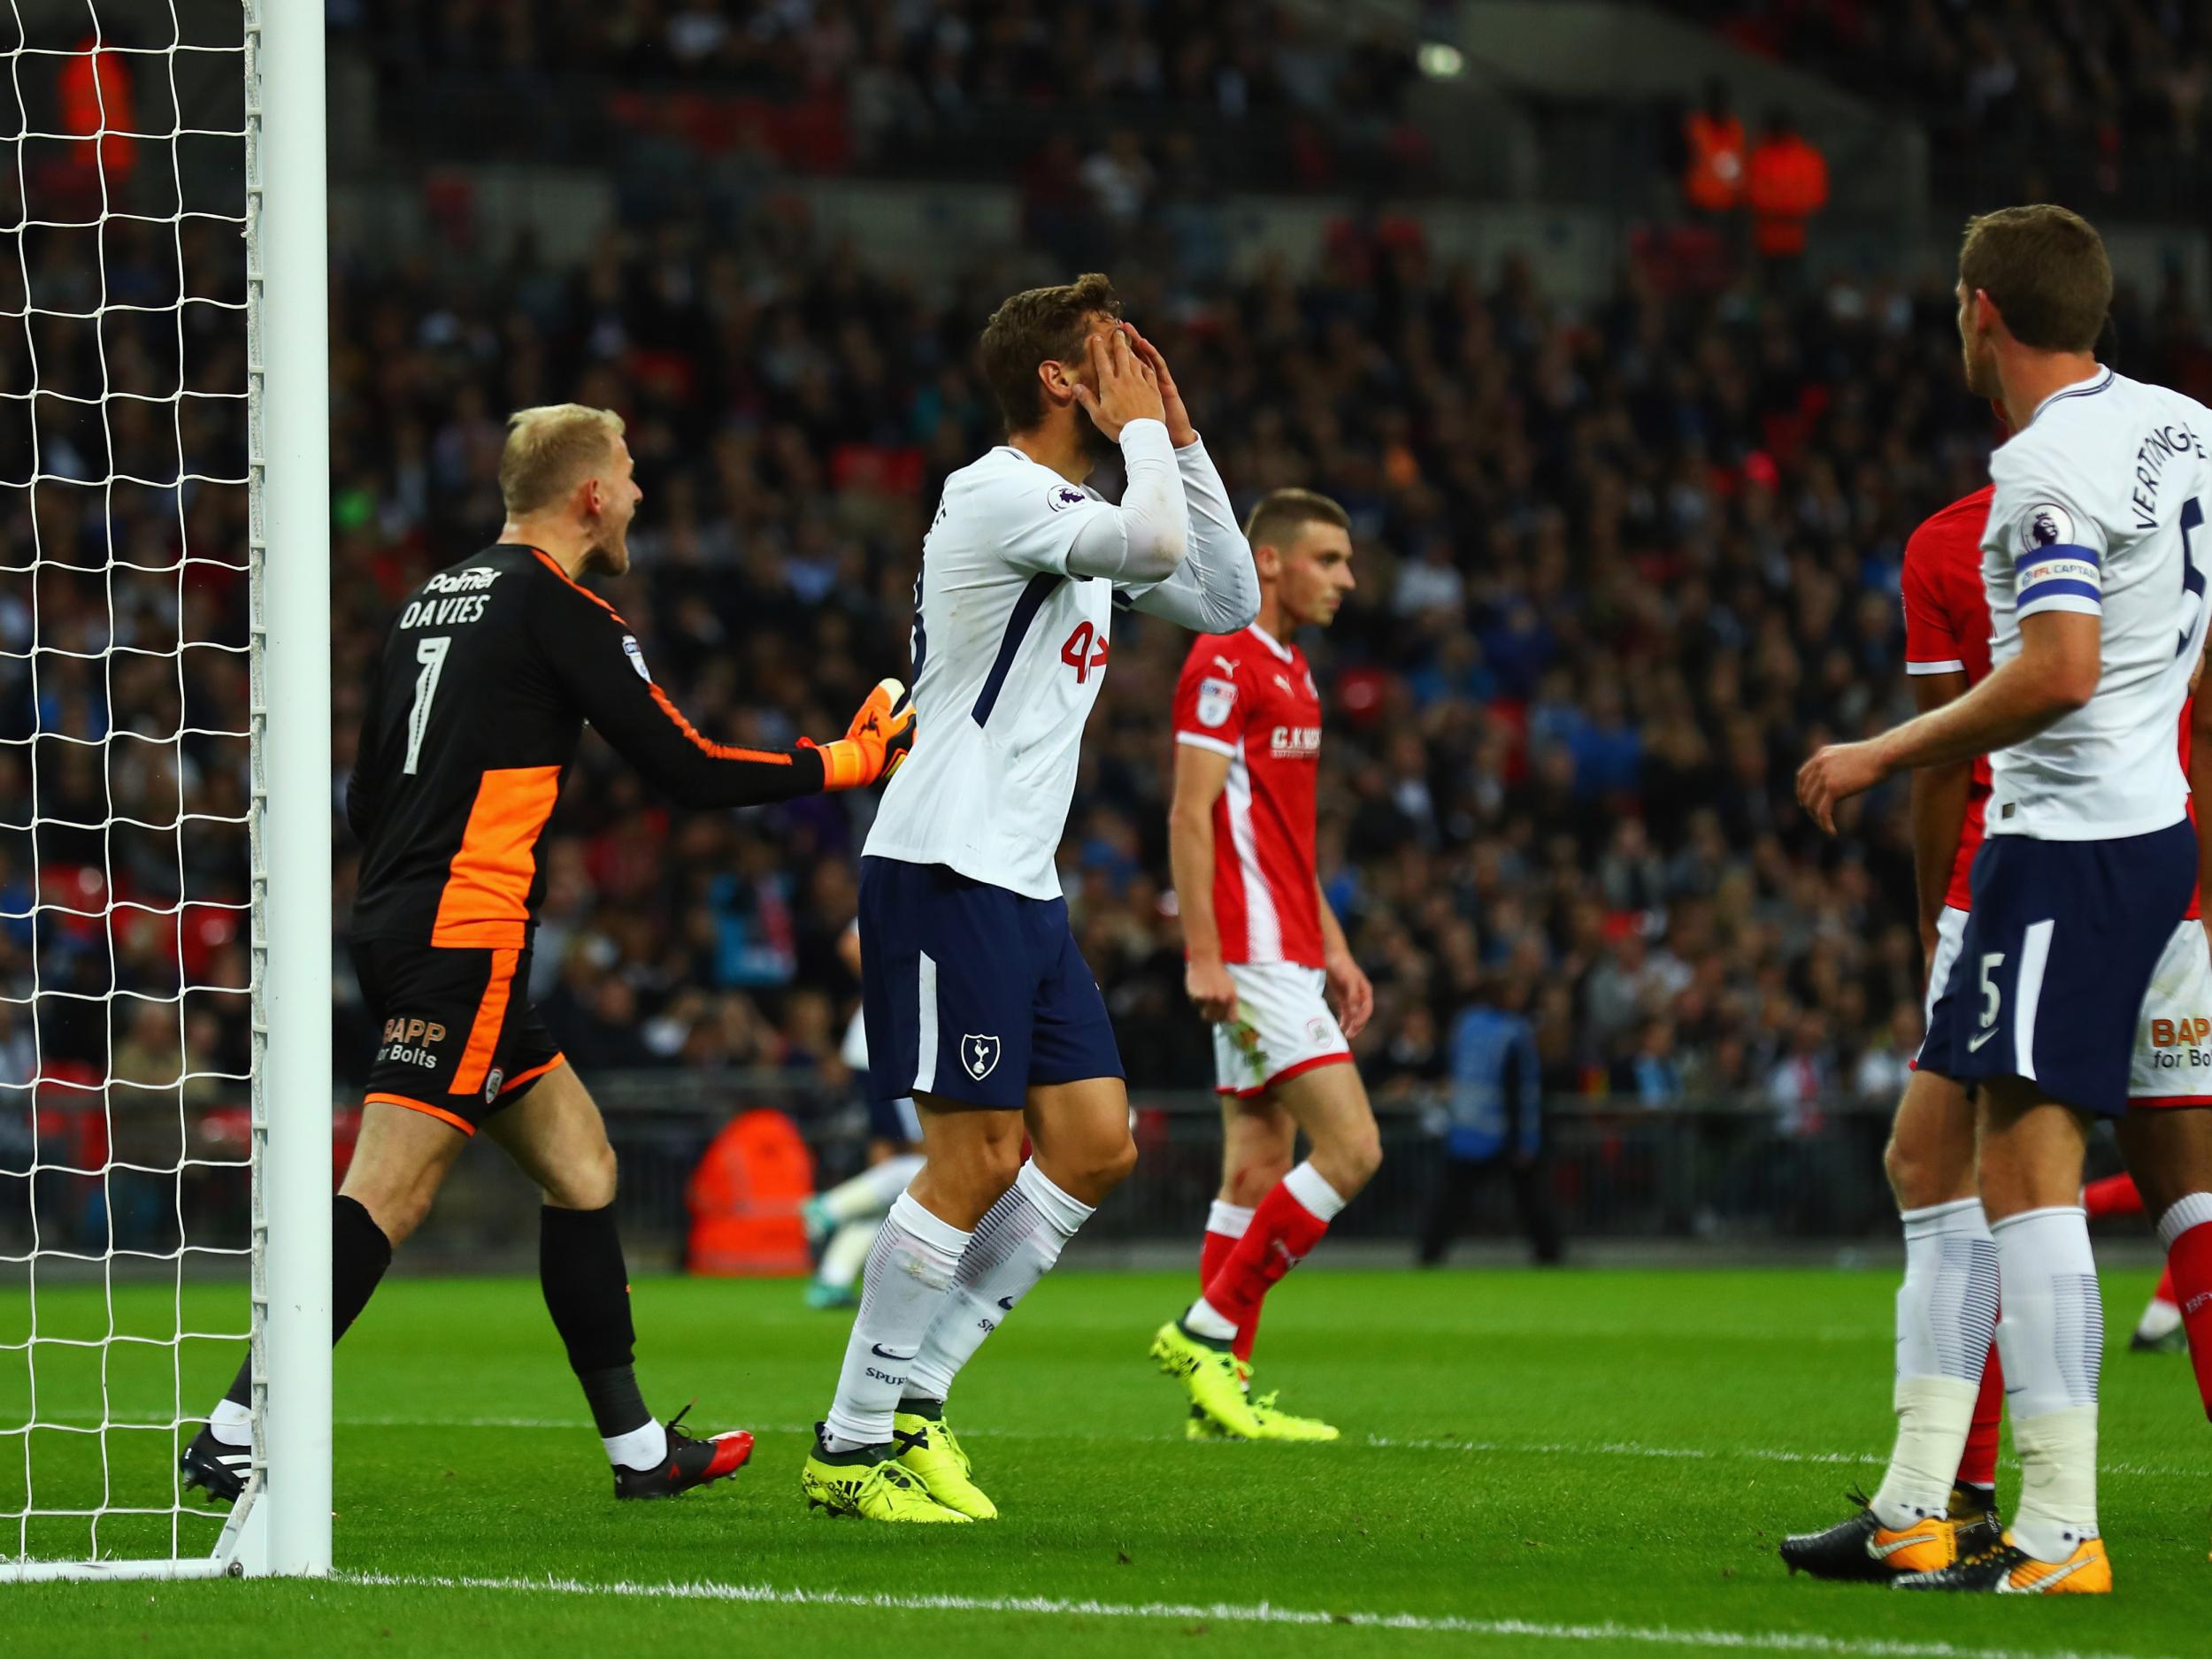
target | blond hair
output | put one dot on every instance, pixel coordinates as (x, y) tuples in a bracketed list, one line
[(552, 449)]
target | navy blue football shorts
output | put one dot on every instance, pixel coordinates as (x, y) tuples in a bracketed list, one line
[(2058, 955), (971, 993)]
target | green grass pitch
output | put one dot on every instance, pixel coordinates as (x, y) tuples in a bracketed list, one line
[(1587, 1464)]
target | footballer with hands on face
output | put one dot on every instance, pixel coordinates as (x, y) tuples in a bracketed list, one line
[(977, 1002)]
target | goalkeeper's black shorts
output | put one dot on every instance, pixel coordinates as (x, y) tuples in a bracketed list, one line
[(456, 1036)]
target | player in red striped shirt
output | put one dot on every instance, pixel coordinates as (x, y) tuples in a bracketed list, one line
[(1948, 1303), (1268, 963)]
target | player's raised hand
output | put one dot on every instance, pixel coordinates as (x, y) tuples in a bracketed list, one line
[(1211, 991), (1180, 432), (1351, 994), (874, 743), (1833, 775), (1122, 388)]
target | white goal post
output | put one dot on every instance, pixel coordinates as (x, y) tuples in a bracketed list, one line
[(99, 1410)]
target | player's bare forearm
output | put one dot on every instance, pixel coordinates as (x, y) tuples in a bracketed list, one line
[(2011, 706), (1334, 944), (2055, 674), (1351, 994), (1190, 842), (1940, 796)]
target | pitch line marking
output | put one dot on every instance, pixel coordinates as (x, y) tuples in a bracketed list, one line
[(1233, 1613), (1382, 1442)]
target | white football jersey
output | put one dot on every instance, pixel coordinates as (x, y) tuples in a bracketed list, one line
[(2099, 509), (1009, 651)]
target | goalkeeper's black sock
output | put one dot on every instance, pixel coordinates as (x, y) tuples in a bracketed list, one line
[(588, 1292), (359, 1253)]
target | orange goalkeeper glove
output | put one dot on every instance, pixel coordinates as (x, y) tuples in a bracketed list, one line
[(873, 744)]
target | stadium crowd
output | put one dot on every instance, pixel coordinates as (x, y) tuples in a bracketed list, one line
[(2036, 87), (882, 85), (1619, 569), (1618, 572)]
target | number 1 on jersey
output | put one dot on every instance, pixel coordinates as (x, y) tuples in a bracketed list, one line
[(431, 655)]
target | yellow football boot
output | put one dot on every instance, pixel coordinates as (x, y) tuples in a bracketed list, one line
[(870, 1484), (930, 1451), (1208, 1371), (1276, 1424)]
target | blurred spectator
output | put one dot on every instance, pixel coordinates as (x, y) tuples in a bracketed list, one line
[(1496, 1128), (1713, 175), (1786, 185)]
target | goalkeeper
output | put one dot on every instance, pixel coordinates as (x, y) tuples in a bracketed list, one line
[(483, 687)]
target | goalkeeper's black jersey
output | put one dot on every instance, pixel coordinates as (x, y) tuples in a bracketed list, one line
[(476, 704)]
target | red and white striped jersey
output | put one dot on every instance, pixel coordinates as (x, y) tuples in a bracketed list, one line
[(1251, 698)]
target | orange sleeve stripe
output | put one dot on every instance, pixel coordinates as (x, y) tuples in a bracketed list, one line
[(439, 1112), (491, 1014), (721, 751), (533, 1074), (486, 904)]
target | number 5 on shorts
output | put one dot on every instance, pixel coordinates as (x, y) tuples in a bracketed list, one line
[(1992, 1000)]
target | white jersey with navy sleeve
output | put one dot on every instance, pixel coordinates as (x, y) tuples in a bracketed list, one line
[(2099, 508), (1010, 652)]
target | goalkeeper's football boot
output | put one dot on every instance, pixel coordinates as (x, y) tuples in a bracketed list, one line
[(690, 1463), (1861, 1547), (823, 1298), (818, 1221), (869, 1483), (930, 1452), (1210, 1371), (2008, 1570), (1977, 1526), (215, 1467)]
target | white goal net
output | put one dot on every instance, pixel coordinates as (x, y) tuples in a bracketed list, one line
[(136, 766)]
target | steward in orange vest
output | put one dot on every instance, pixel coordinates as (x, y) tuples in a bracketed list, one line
[(1788, 184)]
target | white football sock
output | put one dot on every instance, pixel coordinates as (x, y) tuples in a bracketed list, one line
[(1203, 1318), (846, 1254), (2051, 1339), (232, 1424), (910, 1274), (1015, 1245), (1231, 1221), (870, 1192), (645, 1447), (1946, 1310)]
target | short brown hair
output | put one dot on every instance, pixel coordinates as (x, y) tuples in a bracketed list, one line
[(1039, 325), (2046, 271), (1282, 513), (552, 449)]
